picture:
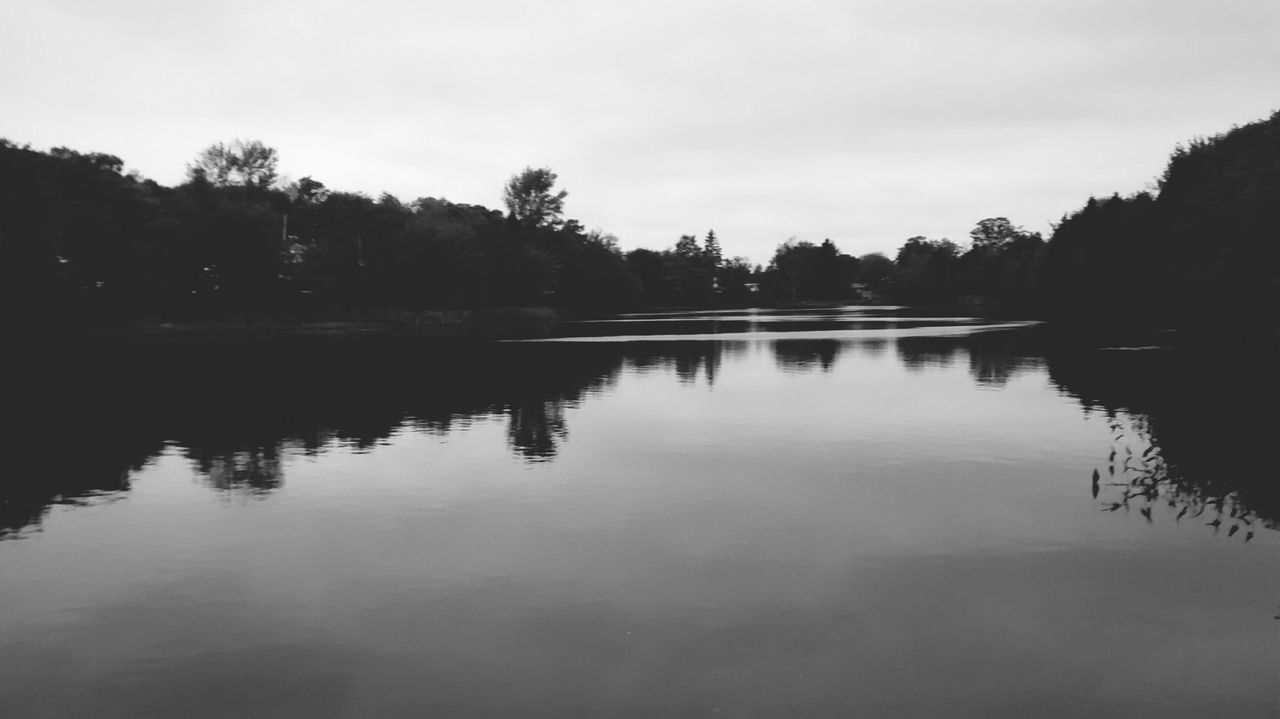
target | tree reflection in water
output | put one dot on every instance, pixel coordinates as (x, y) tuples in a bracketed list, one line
[(1189, 429), (1183, 447), (805, 355), (687, 360), (254, 469), (235, 410), (536, 428), (994, 358)]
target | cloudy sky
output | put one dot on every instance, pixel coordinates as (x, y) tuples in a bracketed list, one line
[(865, 122)]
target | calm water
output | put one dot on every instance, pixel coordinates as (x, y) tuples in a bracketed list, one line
[(828, 513)]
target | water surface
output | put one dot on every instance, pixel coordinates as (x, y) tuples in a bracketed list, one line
[(855, 512)]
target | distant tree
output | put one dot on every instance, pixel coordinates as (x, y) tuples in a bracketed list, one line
[(712, 249), (530, 198), (802, 271), (604, 239), (248, 163), (592, 276), (833, 274), (689, 277), (875, 271), (735, 274), (995, 233), (925, 270), (999, 264), (792, 269), (97, 160), (687, 247), (308, 191), (390, 201), (649, 267)]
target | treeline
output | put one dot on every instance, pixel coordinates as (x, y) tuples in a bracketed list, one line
[(84, 243), (1203, 250), (998, 267)]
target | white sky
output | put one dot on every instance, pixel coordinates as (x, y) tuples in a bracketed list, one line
[(864, 122)]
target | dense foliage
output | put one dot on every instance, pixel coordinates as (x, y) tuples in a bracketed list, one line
[(83, 243), (1204, 250)]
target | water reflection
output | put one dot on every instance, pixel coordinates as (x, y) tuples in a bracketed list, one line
[(688, 361), (536, 428), (234, 411), (255, 470), (1145, 482), (806, 355), (921, 353), (1181, 449), (993, 358)]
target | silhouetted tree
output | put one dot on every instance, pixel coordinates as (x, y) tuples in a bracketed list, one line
[(530, 198), (242, 162), (924, 271), (876, 271), (736, 274), (649, 268), (1000, 264), (994, 233), (711, 249), (802, 271), (1203, 251)]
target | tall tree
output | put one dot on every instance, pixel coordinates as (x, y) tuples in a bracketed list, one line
[(531, 200), (712, 245)]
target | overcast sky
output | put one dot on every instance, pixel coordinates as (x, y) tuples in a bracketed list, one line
[(864, 122)]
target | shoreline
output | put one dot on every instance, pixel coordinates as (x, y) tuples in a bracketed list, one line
[(497, 323)]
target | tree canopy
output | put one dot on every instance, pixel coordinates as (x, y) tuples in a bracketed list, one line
[(531, 200), (248, 163)]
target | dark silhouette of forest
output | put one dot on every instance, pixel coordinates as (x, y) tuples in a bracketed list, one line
[(85, 244), (1202, 250)]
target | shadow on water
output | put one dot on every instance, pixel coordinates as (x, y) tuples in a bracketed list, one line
[(1183, 447), (1192, 432)]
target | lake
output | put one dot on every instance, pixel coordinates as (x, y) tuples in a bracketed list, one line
[(840, 512)]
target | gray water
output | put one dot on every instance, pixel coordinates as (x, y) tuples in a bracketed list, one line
[(860, 512)]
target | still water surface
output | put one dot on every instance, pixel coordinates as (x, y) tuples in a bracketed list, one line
[(860, 512)]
